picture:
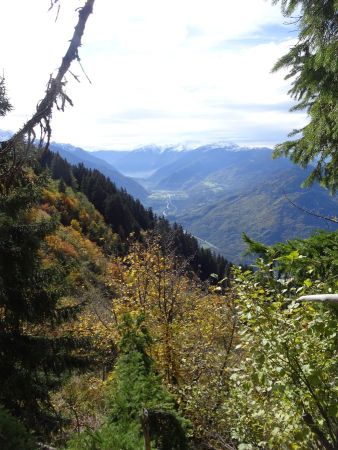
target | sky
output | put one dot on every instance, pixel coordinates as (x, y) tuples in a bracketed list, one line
[(162, 71)]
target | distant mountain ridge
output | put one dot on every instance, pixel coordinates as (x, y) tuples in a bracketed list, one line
[(143, 161), (76, 155), (140, 162), (126, 215)]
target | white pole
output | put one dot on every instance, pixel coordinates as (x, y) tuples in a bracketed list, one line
[(325, 298)]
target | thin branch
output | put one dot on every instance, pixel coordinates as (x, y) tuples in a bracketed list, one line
[(329, 219), (57, 13), (84, 72), (52, 4), (77, 78)]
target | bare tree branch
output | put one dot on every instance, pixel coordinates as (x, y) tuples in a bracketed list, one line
[(54, 96), (329, 219)]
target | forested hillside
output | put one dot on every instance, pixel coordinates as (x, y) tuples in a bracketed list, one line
[(75, 155)]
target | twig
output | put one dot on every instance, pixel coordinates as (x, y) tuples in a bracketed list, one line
[(84, 72), (329, 219)]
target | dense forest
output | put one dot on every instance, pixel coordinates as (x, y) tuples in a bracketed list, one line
[(117, 332)]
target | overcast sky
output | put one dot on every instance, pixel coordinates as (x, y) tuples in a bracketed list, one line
[(162, 71)]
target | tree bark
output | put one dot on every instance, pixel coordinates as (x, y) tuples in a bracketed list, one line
[(145, 427)]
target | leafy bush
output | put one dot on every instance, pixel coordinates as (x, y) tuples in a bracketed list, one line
[(283, 391)]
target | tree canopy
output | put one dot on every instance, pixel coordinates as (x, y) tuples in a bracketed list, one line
[(312, 66)]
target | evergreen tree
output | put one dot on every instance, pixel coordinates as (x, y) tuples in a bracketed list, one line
[(5, 105), (13, 435), (61, 170), (313, 67), (30, 355), (141, 413)]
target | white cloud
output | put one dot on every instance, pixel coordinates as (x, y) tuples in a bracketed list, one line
[(190, 60)]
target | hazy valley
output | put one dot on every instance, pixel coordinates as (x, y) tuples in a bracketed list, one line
[(217, 192)]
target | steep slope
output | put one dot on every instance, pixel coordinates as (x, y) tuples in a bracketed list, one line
[(76, 155), (264, 212)]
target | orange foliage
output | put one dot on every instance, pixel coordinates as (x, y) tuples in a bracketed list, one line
[(61, 247), (51, 197)]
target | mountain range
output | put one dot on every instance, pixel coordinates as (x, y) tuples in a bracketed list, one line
[(216, 192), (219, 191)]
